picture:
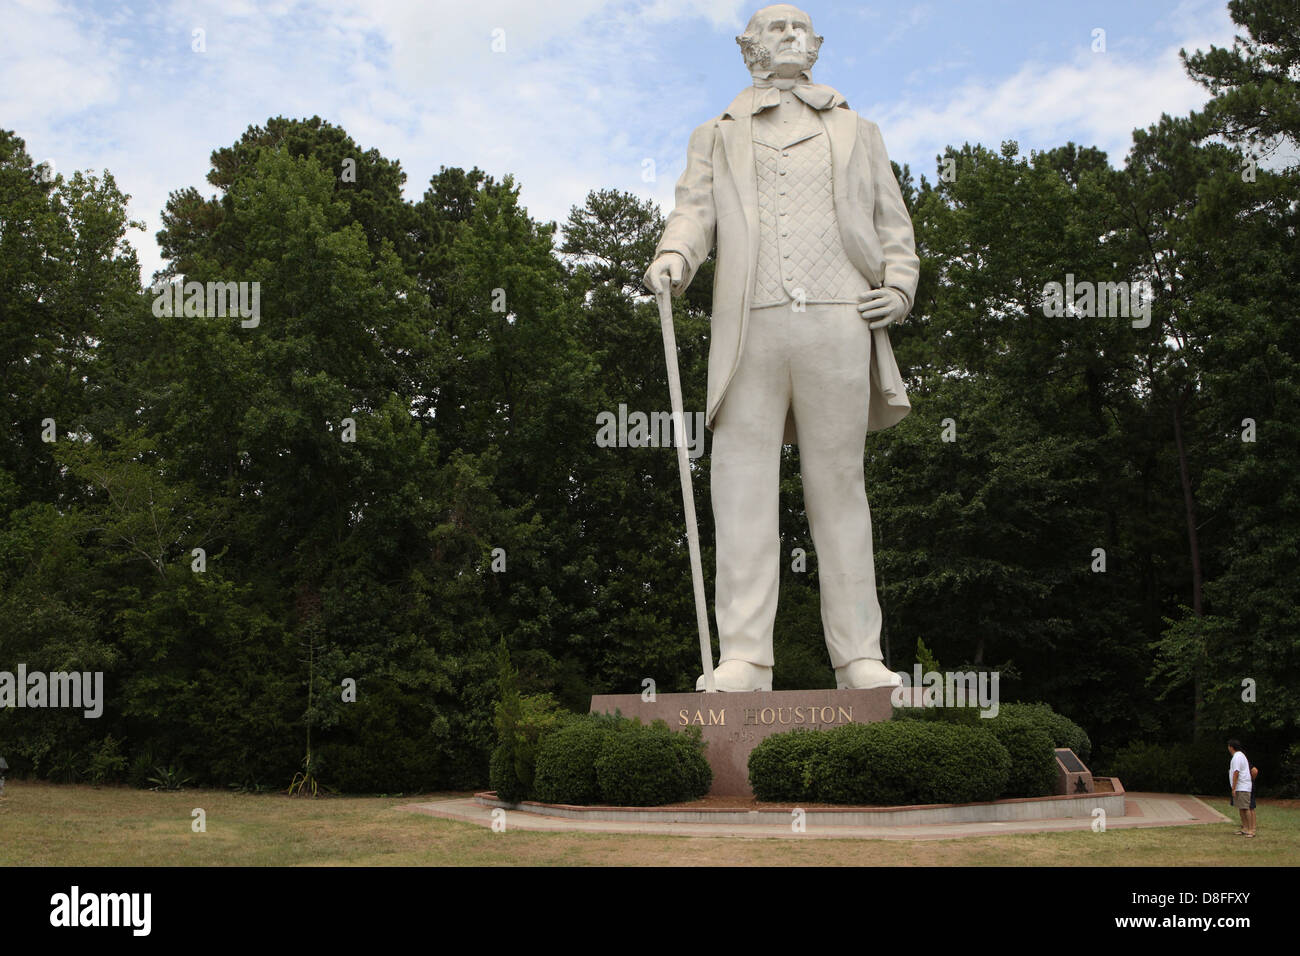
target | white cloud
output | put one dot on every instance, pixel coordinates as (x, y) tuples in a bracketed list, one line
[(54, 62), (585, 92), (1095, 99)]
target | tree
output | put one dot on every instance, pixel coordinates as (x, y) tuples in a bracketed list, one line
[(1256, 84)]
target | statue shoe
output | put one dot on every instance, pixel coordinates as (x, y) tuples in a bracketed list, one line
[(865, 673), (739, 676)]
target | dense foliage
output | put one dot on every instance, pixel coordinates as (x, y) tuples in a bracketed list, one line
[(606, 759), (1033, 758), (395, 469), (919, 758), (779, 765), (890, 763)]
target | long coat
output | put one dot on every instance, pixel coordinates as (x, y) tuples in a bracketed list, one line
[(717, 203)]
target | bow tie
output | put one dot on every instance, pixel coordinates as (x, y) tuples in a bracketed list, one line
[(767, 92)]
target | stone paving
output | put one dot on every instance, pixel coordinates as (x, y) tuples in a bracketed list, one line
[(1140, 810)]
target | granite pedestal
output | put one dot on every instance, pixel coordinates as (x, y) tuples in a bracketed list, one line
[(733, 724)]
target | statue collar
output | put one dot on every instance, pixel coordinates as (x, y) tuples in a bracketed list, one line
[(766, 92)]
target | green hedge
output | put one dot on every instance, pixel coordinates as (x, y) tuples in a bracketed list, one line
[(1061, 729), (1033, 757), (651, 766), (599, 758), (566, 760), (502, 777), (513, 763), (696, 774), (778, 766), (886, 763)]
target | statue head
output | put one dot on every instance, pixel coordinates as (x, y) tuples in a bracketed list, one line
[(780, 40)]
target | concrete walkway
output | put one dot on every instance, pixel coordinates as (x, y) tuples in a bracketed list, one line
[(1140, 810)]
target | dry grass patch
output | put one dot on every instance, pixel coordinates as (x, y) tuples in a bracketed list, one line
[(44, 824)]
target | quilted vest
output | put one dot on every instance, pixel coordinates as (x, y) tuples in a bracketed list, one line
[(800, 253)]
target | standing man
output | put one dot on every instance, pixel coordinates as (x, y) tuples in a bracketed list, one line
[(1242, 787), (815, 260)]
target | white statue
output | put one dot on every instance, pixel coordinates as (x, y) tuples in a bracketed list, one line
[(815, 259)]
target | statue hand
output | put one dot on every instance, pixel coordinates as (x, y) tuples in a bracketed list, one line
[(667, 267), (883, 307)]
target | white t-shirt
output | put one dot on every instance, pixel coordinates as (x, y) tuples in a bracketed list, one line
[(1242, 766)]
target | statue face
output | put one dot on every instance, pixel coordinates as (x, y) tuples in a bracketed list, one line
[(786, 34)]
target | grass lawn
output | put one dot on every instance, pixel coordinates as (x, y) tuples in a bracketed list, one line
[(44, 824)]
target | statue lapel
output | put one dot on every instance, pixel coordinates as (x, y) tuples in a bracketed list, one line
[(842, 130), (736, 126)]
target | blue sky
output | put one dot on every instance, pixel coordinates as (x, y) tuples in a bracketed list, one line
[(585, 95)]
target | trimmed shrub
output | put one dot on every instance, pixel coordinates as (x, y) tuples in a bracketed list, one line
[(565, 771), (967, 716), (599, 758), (909, 713), (521, 723), (1061, 729), (502, 777), (513, 763), (650, 766), (778, 766), (1033, 760), (696, 774), (899, 762)]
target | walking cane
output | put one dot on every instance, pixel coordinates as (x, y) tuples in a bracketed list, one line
[(665, 300)]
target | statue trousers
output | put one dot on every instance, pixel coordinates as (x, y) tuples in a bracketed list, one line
[(815, 363)]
